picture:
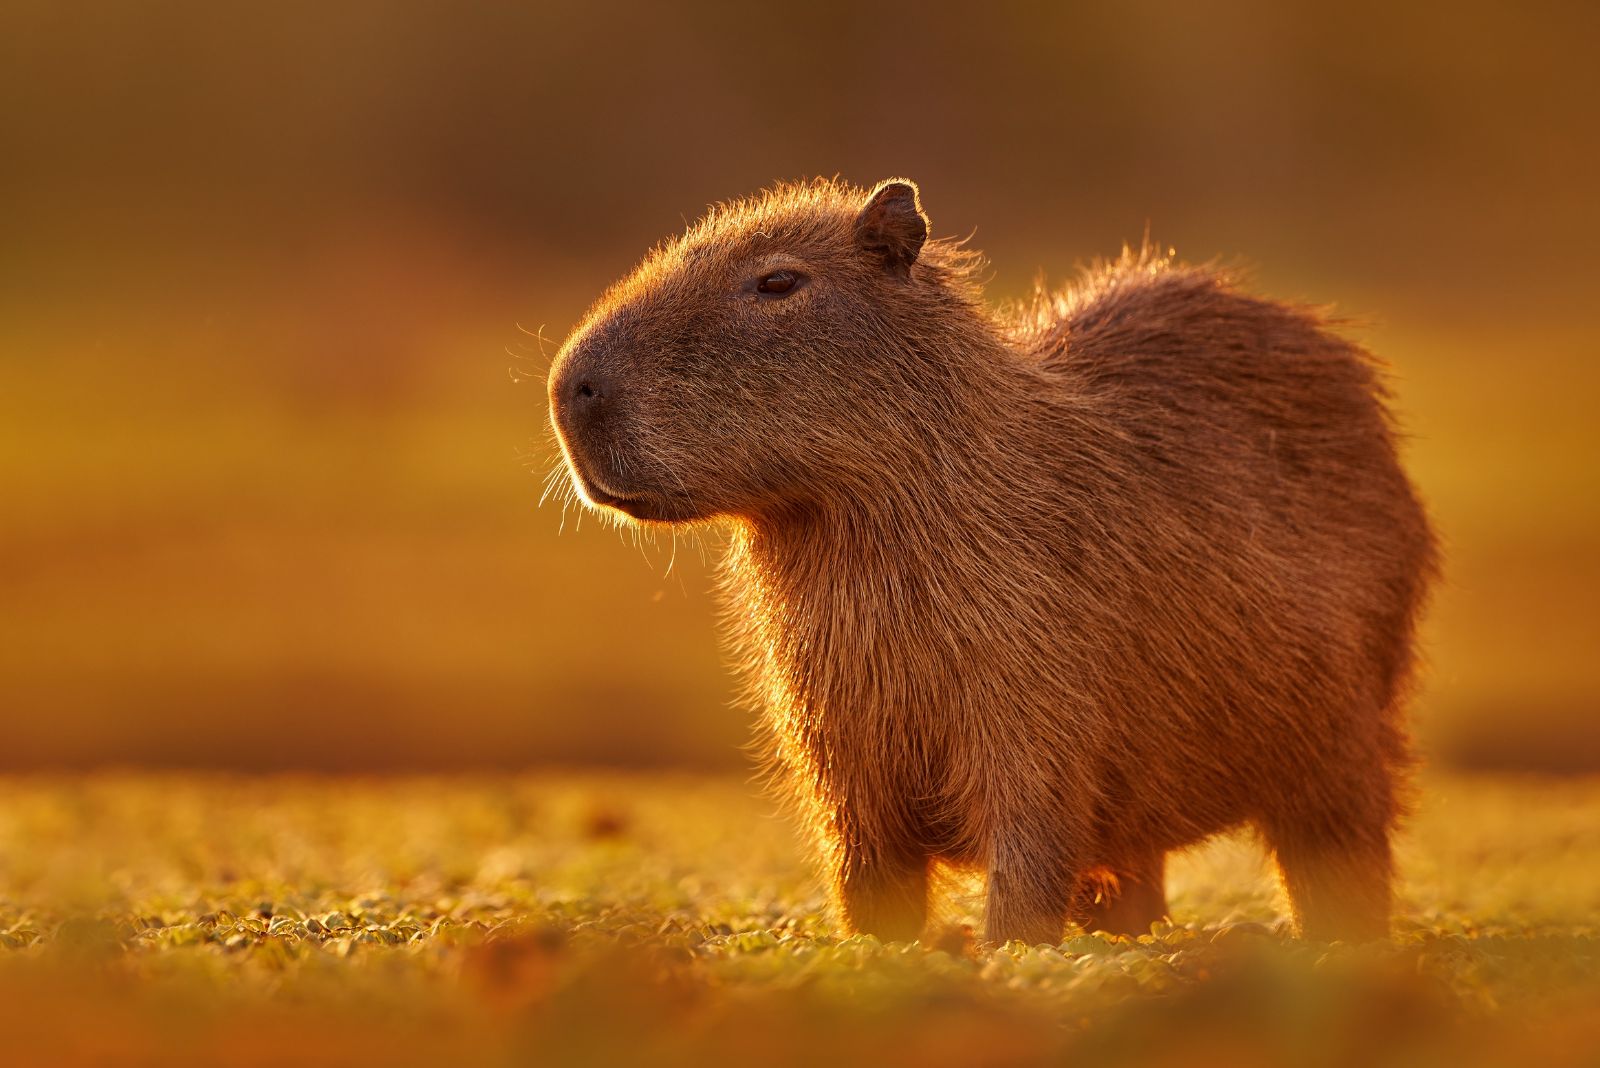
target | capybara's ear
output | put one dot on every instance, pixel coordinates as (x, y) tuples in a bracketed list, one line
[(891, 227)]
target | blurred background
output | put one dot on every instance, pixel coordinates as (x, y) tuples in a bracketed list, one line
[(269, 495)]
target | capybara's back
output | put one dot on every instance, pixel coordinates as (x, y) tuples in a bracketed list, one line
[(1050, 593)]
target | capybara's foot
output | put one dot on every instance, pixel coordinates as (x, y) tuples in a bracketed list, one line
[(1124, 901)]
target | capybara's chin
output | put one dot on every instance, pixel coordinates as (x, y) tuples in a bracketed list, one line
[(1053, 591)]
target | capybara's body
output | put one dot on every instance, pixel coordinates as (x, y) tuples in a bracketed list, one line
[(1050, 593)]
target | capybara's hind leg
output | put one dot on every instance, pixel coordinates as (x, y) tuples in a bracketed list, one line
[(1123, 900), (1336, 866)]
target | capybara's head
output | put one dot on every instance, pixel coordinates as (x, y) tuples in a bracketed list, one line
[(770, 353)]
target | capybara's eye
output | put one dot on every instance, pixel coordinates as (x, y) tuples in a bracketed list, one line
[(777, 283)]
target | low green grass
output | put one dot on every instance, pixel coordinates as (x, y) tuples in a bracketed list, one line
[(674, 920)]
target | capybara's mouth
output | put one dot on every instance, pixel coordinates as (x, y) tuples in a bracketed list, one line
[(649, 507)]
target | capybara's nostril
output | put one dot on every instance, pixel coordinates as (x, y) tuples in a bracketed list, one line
[(580, 396), (588, 391), (586, 395)]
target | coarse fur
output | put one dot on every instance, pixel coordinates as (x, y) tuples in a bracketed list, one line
[(1049, 592)]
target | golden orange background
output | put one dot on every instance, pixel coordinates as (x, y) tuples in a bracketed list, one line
[(268, 494)]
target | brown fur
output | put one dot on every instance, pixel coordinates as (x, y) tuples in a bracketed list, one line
[(1049, 592)]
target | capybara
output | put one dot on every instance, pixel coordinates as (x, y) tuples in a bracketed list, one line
[(1048, 591)]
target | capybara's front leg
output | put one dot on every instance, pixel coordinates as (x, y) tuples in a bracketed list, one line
[(882, 893), (1031, 884)]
